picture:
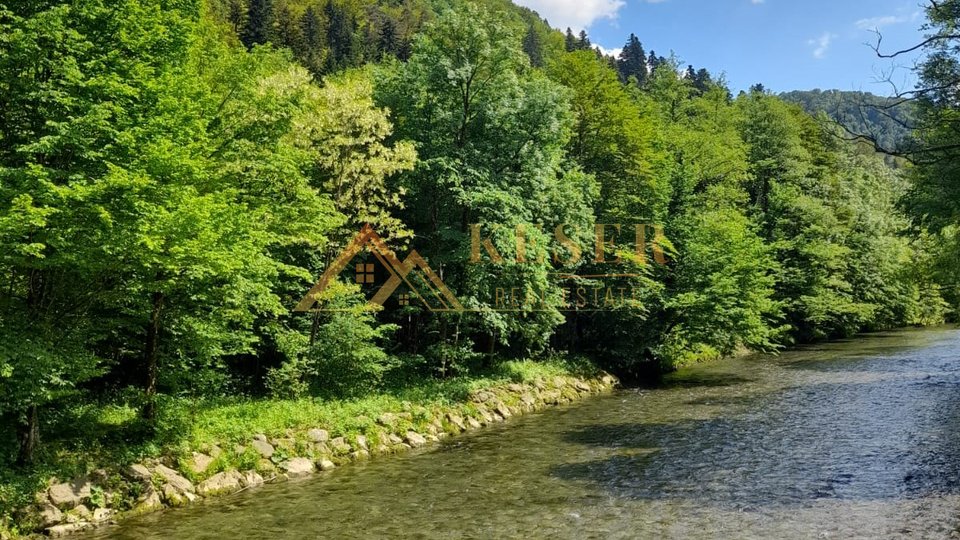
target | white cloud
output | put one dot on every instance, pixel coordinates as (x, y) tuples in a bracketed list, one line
[(575, 14), (876, 23), (609, 52), (821, 44)]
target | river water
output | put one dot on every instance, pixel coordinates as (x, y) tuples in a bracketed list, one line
[(857, 439)]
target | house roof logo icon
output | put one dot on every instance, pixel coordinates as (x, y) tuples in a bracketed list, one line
[(432, 292)]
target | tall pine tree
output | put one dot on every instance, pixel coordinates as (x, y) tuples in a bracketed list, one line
[(259, 23), (533, 47), (633, 61)]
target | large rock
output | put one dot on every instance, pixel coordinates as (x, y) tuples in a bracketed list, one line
[(251, 479), (262, 447), (362, 443), (297, 467), (173, 496), (503, 410), (415, 440), (318, 435), (49, 516), (102, 514), (326, 465), (199, 463), (482, 396), (340, 446), (138, 472), (173, 478), (80, 513), (457, 421), (473, 423), (68, 495), (149, 500), (225, 482)]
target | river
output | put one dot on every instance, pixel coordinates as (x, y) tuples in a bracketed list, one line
[(855, 439)]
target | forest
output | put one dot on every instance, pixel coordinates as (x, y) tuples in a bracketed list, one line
[(175, 175)]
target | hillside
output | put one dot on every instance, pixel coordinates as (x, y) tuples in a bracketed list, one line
[(885, 120)]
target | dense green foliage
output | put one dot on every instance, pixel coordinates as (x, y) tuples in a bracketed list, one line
[(174, 176), (887, 121)]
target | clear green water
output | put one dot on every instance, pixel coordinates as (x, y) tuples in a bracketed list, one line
[(859, 439)]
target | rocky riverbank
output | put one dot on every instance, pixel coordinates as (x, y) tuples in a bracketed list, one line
[(108, 494)]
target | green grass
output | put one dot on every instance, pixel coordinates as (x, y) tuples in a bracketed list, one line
[(88, 436)]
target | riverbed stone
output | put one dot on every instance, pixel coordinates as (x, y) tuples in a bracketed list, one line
[(503, 410), (583, 387), (58, 531), (482, 396), (199, 463), (68, 495), (473, 423), (149, 500), (318, 435), (102, 514), (297, 467), (362, 443), (49, 515), (485, 415), (326, 465), (138, 472), (263, 448), (359, 455), (551, 397), (174, 478), (80, 513), (251, 479), (224, 482), (172, 495), (457, 421), (395, 439), (415, 440), (340, 446)]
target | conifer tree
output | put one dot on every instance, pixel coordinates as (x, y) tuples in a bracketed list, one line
[(633, 61)]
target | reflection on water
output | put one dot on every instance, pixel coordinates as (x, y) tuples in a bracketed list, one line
[(854, 439)]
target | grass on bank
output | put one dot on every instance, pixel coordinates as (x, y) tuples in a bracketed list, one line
[(85, 437)]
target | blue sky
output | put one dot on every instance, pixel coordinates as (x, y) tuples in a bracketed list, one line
[(784, 44)]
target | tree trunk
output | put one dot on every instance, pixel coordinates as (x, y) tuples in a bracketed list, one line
[(150, 357), (28, 436)]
